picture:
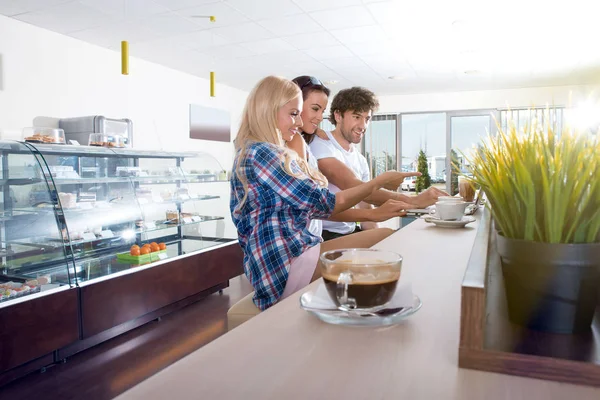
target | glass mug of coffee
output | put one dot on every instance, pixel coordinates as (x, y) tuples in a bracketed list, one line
[(466, 189), (360, 279)]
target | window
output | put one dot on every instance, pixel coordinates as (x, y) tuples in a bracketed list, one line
[(379, 144)]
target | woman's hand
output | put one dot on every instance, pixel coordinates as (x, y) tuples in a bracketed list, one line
[(429, 197), (390, 209)]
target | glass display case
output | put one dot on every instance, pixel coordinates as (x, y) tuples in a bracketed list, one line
[(72, 214)]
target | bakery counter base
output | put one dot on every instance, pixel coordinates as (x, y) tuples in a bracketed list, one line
[(108, 334), (490, 342), (30, 332), (109, 303), (51, 328), (37, 365)]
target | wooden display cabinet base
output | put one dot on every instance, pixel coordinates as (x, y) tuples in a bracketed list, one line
[(490, 342), (84, 344)]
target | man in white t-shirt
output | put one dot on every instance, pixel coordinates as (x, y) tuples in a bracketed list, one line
[(339, 158)]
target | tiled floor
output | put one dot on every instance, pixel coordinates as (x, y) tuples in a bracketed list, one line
[(112, 367)]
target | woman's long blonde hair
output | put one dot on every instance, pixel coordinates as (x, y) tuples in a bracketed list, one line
[(259, 124)]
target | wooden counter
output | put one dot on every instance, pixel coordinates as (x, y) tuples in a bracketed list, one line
[(286, 353)]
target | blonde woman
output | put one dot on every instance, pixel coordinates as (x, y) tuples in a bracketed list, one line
[(275, 194)]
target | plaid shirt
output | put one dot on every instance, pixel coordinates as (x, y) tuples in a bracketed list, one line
[(273, 222)]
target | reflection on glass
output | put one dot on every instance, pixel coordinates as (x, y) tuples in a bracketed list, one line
[(425, 132), (522, 118), (380, 144), (466, 133)]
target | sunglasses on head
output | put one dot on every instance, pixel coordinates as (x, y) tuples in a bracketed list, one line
[(305, 81)]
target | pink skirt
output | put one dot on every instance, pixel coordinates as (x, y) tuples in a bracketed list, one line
[(301, 271)]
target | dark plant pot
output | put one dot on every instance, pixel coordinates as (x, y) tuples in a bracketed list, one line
[(550, 287)]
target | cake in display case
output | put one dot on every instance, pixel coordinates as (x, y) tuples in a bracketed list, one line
[(130, 232)]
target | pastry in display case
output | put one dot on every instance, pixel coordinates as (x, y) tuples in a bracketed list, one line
[(44, 135), (84, 220), (96, 203)]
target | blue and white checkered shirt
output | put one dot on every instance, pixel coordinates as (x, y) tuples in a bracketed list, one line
[(273, 222)]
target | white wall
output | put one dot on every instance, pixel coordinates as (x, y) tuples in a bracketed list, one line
[(471, 100), (48, 74), (43, 73)]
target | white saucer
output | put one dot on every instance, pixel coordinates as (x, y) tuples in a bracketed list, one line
[(449, 224), (384, 317)]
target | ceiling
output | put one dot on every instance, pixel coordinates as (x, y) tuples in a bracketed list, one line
[(429, 46)]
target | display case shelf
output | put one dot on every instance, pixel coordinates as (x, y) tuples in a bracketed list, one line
[(55, 191)]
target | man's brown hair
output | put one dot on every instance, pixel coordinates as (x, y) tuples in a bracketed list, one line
[(356, 98)]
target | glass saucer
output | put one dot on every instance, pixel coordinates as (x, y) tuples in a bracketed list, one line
[(383, 317)]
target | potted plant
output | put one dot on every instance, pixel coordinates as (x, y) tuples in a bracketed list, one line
[(544, 194)]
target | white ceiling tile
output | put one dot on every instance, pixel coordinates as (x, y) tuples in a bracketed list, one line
[(362, 34), (389, 65), (327, 53), (126, 8), (224, 14), (316, 5), (66, 18), (281, 60), (170, 24), (200, 39), (293, 25), (265, 9), (192, 62), (227, 52), (267, 46), (358, 74), (344, 62), (310, 40), (181, 4), (246, 32), (156, 48), (384, 47), (348, 17), (111, 35), (14, 7)]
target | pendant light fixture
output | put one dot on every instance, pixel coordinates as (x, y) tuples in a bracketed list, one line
[(211, 18), (124, 57)]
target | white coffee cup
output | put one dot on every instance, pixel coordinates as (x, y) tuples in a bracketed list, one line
[(450, 199), (449, 210)]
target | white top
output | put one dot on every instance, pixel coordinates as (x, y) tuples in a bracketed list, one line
[(316, 225), (286, 353), (353, 159)]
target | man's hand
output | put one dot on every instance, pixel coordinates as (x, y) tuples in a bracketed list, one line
[(396, 182), (429, 197), (390, 209)]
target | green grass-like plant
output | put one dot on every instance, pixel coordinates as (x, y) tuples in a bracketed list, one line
[(539, 186)]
